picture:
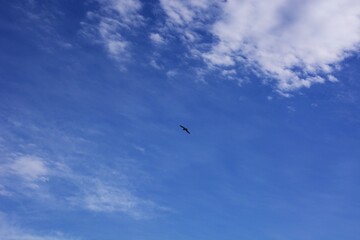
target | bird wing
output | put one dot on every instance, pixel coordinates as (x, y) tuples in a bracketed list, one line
[(185, 129)]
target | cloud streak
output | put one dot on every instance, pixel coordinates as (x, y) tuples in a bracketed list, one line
[(89, 192), (108, 199), (11, 231)]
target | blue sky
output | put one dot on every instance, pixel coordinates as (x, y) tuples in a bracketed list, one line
[(92, 94)]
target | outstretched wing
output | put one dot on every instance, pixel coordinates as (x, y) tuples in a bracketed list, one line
[(185, 129)]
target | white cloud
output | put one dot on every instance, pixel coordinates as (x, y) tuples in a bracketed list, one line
[(171, 73), (331, 78), (291, 109), (156, 38), (296, 43), (58, 168), (100, 197), (292, 41), (113, 41), (140, 149), (113, 18), (178, 11), (127, 10), (183, 12), (156, 65), (229, 73), (189, 19), (11, 231), (29, 168), (4, 191), (28, 175)]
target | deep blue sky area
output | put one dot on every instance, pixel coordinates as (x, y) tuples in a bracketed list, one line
[(92, 94)]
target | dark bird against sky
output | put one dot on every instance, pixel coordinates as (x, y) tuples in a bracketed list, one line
[(185, 129)]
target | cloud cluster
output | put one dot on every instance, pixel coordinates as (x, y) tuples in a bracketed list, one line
[(296, 43), (290, 43)]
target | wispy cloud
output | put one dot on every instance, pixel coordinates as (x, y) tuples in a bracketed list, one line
[(183, 13), (155, 64), (126, 9), (89, 192), (156, 38), (295, 43), (171, 73), (139, 148), (26, 172), (4, 192), (10, 230), (107, 25), (189, 20), (39, 20), (292, 44), (29, 168), (108, 199), (113, 41), (61, 168)]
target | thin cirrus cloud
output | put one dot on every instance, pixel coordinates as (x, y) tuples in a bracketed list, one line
[(188, 18), (25, 174), (110, 21), (183, 13), (296, 43), (30, 171), (29, 168), (107, 199), (9, 230), (45, 170)]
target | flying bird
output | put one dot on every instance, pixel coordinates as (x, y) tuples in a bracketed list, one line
[(185, 129)]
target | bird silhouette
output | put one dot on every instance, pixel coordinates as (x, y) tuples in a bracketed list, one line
[(185, 129)]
